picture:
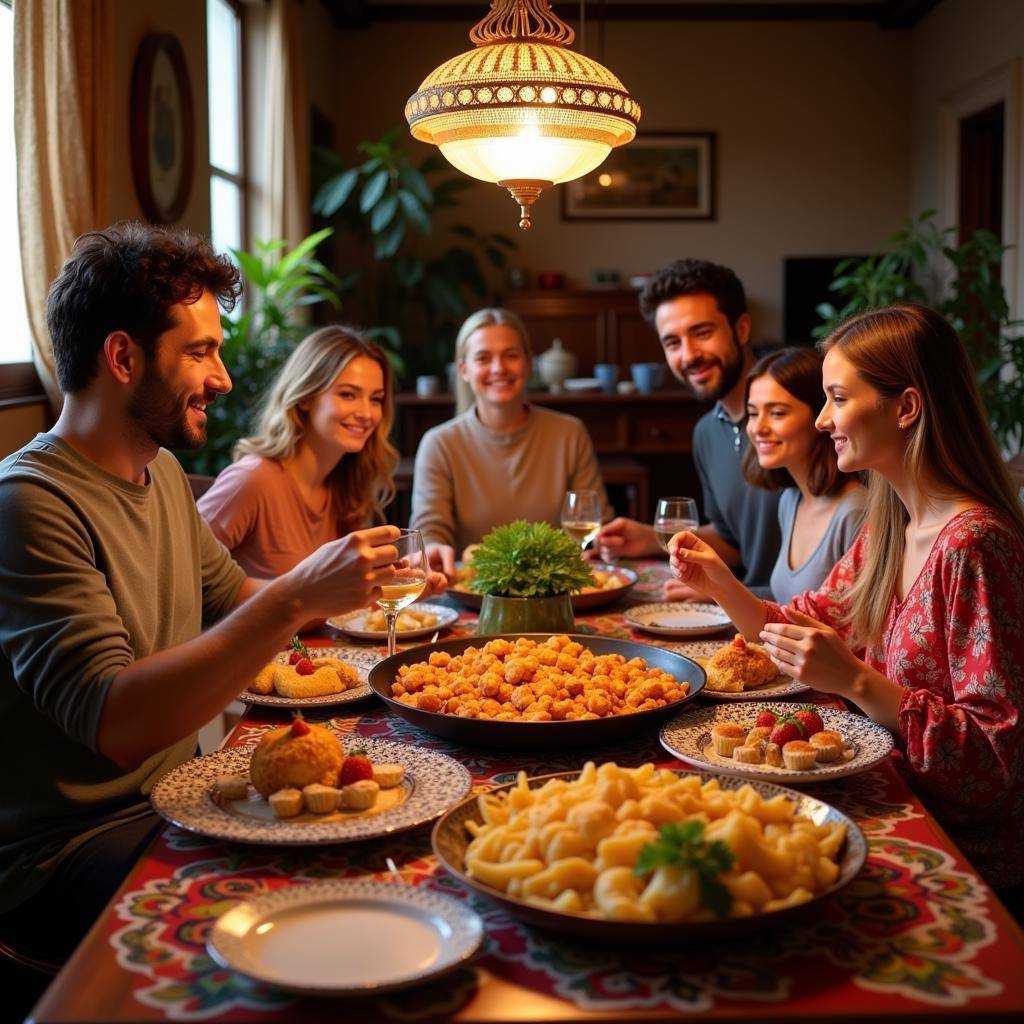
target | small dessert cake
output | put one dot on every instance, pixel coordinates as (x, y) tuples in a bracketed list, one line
[(726, 737), (740, 666), (320, 799), (827, 745), (750, 753), (387, 776), (295, 756), (286, 803), (773, 755), (232, 787), (359, 796), (799, 755)]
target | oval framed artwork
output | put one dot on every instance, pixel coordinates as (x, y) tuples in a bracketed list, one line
[(162, 129)]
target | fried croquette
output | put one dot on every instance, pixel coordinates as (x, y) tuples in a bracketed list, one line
[(294, 757), (739, 666)]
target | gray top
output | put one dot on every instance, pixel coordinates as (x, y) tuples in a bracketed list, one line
[(842, 530), (95, 572), (745, 516), (469, 479)]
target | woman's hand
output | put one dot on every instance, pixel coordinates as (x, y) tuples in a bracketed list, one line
[(695, 563), (812, 652), (674, 590)]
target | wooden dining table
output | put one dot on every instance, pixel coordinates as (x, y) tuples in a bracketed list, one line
[(916, 935)]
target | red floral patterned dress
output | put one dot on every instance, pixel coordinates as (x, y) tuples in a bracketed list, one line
[(956, 644)]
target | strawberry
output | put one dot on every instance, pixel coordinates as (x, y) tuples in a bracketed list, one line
[(739, 643), (786, 728), (355, 768), (765, 720), (809, 718), (305, 667), (298, 652), (299, 726)]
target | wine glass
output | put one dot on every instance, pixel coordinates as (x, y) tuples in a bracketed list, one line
[(672, 516), (409, 581), (581, 516)]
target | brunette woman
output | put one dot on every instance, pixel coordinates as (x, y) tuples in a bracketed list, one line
[(919, 624), (319, 465), (501, 458)]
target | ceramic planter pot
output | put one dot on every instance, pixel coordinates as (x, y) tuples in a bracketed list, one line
[(526, 614)]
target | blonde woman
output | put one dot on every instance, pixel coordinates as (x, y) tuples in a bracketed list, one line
[(319, 465), (501, 458), (920, 622)]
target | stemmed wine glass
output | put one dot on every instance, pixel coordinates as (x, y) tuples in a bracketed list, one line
[(672, 516), (409, 582), (581, 516)]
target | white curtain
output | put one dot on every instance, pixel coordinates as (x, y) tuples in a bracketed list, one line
[(279, 117), (63, 103)]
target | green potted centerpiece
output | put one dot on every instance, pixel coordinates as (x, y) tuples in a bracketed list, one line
[(527, 572)]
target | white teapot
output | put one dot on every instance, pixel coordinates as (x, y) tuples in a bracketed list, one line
[(556, 365)]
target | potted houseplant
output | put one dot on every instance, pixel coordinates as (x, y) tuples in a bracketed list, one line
[(527, 572)]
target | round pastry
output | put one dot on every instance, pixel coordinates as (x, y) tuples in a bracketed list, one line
[(827, 745), (727, 736), (295, 756), (799, 755)]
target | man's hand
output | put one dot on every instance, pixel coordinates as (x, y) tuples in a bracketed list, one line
[(442, 558), (623, 538), (437, 583)]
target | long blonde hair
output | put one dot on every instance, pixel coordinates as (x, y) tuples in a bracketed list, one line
[(912, 346), (362, 483), (493, 317)]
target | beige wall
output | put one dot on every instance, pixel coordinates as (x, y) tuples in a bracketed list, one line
[(959, 45), (813, 140)]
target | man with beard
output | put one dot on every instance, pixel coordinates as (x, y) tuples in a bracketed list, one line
[(109, 578), (699, 310)]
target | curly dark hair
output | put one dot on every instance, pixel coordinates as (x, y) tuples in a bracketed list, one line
[(127, 278), (694, 277)]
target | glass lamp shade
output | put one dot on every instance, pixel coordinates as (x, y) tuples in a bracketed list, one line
[(523, 113)]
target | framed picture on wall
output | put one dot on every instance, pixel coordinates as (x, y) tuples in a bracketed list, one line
[(162, 129), (654, 177)]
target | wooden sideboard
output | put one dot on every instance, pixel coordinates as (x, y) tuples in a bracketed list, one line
[(654, 431), (595, 326)]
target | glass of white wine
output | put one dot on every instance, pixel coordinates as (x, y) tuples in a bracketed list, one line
[(672, 516), (581, 516), (409, 582)]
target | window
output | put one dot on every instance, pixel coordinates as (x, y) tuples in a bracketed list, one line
[(227, 163), (15, 338)]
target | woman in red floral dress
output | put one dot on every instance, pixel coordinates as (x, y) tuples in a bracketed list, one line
[(921, 624)]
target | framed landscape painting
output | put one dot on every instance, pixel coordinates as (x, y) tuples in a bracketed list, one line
[(654, 177)]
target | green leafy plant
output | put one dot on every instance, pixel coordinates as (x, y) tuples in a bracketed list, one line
[(914, 265), (280, 285), (682, 845), (525, 559), (412, 303)]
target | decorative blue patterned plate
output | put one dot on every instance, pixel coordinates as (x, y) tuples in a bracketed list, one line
[(186, 798), (688, 737), (353, 937)]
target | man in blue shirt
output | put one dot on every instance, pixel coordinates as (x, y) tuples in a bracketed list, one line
[(699, 310)]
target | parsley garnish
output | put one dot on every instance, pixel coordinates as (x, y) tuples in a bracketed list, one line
[(682, 845)]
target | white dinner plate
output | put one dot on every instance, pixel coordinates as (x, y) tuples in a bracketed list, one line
[(359, 657), (351, 937), (679, 618), (186, 797), (688, 737), (354, 623), (781, 687)]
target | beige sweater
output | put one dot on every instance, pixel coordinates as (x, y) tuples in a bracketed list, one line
[(469, 479)]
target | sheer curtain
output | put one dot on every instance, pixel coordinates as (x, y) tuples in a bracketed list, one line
[(279, 119), (63, 103)]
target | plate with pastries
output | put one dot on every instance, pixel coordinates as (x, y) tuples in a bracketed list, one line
[(788, 743), (738, 670), (415, 621), (303, 785), (314, 676)]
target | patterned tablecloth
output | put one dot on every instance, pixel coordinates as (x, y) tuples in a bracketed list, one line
[(916, 934)]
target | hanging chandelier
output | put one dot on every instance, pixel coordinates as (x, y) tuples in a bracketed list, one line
[(522, 109)]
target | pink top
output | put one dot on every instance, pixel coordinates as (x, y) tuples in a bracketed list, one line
[(256, 510), (956, 644)]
